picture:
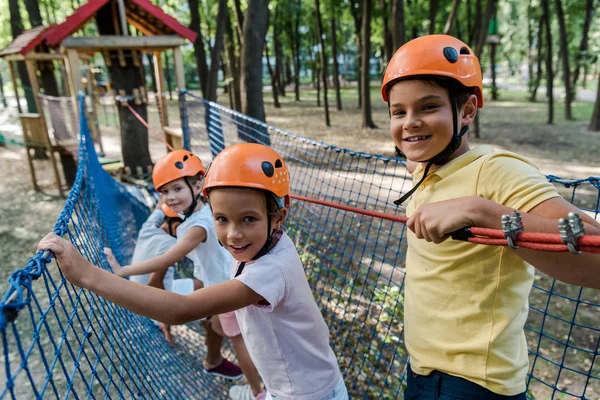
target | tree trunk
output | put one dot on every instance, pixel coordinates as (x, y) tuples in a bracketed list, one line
[(355, 9), (549, 71), (297, 50), (4, 103), (16, 26), (215, 56), (595, 123), (323, 58), (583, 45), (199, 51), (274, 90), (387, 50), (493, 70), (476, 27), (540, 57), (336, 67), (433, 10), (280, 84), (150, 59), (565, 59), (367, 117), (239, 18), (490, 10), (398, 28), (232, 59), (451, 17), (46, 68), (134, 136), (255, 29)]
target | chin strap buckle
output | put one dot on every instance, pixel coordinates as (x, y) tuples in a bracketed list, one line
[(512, 225), (570, 230)]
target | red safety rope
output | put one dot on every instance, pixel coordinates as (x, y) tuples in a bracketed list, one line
[(139, 117), (495, 237)]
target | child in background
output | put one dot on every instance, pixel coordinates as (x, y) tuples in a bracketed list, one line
[(248, 186), (156, 236), (466, 304)]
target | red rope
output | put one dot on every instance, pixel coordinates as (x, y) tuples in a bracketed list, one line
[(139, 117), (494, 237)]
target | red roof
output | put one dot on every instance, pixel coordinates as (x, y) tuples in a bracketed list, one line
[(27, 41), (142, 12)]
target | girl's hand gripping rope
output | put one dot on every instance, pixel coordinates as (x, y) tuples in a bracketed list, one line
[(73, 265)]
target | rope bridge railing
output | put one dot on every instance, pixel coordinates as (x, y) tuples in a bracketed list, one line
[(68, 342)]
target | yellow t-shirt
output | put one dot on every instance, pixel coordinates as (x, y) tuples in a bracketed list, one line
[(466, 304)]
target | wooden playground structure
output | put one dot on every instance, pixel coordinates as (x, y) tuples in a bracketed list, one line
[(56, 44)]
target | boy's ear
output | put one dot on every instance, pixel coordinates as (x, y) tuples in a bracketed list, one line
[(469, 110)]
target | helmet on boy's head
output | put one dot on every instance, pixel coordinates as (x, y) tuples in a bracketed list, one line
[(435, 56), (249, 165), (176, 164)]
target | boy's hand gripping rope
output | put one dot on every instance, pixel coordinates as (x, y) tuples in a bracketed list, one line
[(555, 243)]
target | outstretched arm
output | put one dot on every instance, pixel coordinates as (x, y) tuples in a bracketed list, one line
[(167, 307), (193, 238), (433, 223)]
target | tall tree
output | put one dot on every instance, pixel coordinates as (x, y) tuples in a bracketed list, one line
[(233, 63), (323, 57), (540, 57), (274, 83), (124, 79), (451, 17), (255, 29), (387, 35), (278, 53), (549, 70), (294, 35), (398, 27), (334, 55), (16, 27), (433, 10), (215, 55), (46, 68), (367, 115), (356, 11), (199, 50), (595, 123), (583, 45), (564, 45)]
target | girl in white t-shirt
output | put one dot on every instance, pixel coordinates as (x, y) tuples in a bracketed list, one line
[(287, 338), (178, 178)]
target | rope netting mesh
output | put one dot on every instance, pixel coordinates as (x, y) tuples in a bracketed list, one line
[(68, 342)]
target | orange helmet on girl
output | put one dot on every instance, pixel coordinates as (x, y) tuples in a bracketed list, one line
[(253, 166), (176, 164)]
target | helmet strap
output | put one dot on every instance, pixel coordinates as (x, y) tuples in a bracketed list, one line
[(190, 210), (442, 157)]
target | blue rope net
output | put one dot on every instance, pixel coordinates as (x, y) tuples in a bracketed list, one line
[(68, 342)]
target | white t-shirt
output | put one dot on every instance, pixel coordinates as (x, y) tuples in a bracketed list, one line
[(211, 260), (152, 241), (288, 339)]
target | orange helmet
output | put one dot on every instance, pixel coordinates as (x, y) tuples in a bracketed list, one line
[(435, 55), (169, 213), (249, 165), (176, 164)]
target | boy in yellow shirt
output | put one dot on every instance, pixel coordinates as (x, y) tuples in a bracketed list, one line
[(466, 304)]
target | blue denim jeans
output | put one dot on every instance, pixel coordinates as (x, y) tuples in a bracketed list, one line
[(441, 386)]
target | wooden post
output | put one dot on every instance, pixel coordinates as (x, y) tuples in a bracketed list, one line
[(179, 75), (160, 88), (13, 76), (36, 90), (91, 92)]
